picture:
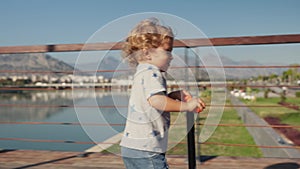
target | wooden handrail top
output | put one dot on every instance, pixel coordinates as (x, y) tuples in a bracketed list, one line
[(225, 41)]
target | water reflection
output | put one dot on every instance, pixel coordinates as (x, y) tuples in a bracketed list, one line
[(57, 106), (40, 105)]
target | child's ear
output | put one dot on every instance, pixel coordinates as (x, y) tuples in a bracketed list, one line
[(146, 54)]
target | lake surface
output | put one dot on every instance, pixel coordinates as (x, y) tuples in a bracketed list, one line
[(101, 114)]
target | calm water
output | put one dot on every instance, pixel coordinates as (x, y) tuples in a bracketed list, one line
[(43, 106)]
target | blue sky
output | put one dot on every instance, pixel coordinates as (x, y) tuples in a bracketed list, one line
[(30, 22)]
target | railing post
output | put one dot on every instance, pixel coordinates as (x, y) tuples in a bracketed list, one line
[(190, 126), (197, 128)]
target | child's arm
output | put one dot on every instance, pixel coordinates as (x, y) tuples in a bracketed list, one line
[(165, 103)]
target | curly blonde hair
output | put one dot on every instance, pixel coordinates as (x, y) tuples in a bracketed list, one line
[(149, 33)]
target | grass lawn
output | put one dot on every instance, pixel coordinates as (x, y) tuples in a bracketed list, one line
[(286, 115), (231, 135)]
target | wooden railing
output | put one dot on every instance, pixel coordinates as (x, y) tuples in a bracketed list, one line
[(185, 43), (226, 41)]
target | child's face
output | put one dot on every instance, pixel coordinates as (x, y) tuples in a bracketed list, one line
[(162, 56)]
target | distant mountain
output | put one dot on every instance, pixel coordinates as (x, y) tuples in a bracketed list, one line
[(32, 62), (244, 73), (112, 66), (230, 73), (109, 67)]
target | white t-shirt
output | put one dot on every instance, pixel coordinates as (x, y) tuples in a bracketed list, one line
[(146, 127)]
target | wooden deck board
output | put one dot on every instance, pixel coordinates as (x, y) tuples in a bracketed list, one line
[(70, 160)]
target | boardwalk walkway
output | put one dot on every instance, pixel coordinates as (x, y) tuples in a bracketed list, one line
[(75, 160)]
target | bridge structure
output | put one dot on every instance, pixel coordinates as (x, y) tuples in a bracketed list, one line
[(17, 158)]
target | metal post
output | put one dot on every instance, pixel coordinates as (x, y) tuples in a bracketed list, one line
[(197, 128), (190, 126), (191, 140)]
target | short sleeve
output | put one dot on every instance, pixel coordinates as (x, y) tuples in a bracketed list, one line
[(153, 83)]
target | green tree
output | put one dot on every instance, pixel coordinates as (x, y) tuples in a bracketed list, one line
[(291, 74)]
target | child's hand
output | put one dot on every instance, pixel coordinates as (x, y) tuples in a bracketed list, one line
[(195, 105), (185, 95)]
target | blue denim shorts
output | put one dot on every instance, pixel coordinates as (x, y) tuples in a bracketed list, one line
[(137, 159)]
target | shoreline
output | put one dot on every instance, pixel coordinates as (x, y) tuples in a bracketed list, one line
[(105, 144)]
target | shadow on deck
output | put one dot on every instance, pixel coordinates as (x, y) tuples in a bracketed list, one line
[(21, 159)]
